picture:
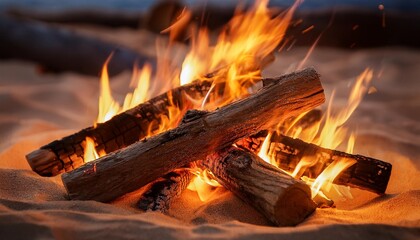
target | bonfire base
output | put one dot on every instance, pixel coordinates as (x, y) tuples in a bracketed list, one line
[(128, 169)]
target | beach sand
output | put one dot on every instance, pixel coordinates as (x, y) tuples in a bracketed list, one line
[(36, 109)]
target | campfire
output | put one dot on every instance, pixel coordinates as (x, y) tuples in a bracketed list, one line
[(220, 124)]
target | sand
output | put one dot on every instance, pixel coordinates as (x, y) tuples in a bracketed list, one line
[(36, 109)]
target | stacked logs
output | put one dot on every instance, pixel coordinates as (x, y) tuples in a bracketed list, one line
[(205, 136)]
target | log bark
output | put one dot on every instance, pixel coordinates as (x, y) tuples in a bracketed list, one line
[(284, 200), (367, 173), (127, 169), (161, 193), (122, 130)]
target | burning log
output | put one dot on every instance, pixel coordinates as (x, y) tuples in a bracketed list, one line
[(122, 130), (367, 173), (160, 194), (277, 195), (202, 133)]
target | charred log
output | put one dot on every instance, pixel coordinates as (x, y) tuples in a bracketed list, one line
[(161, 193), (122, 130), (367, 173)]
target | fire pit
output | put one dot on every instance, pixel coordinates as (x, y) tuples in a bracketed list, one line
[(214, 131)]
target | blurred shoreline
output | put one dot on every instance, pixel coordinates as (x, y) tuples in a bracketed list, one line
[(133, 5)]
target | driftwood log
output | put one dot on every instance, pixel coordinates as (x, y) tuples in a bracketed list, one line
[(159, 195), (122, 130), (367, 173), (284, 200), (204, 132), (60, 49)]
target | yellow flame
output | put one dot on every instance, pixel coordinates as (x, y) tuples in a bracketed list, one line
[(330, 132), (241, 47), (264, 153), (333, 133), (236, 59), (204, 183), (90, 153), (326, 178), (141, 81), (350, 143), (108, 107)]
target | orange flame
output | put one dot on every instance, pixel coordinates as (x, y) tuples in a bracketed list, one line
[(330, 132), (248, 39), (141, 80), (108, 107), (236, 59), (90, 153), (203, 183), (325, 179)]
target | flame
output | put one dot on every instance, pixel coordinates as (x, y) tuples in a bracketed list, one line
[(330, 133), (141, 80), (248, 39), (236, 59), (203, 183), (108, 107), (179, 25), (90, 153), (325, 179), (333, 133), (264, 153)]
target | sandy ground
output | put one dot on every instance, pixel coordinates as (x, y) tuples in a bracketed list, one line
[(36, 109)]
